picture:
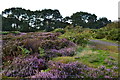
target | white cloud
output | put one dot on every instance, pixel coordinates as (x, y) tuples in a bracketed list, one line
[(102, 8), (119, 9)]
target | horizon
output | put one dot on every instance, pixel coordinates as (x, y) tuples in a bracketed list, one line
[(67, 8)]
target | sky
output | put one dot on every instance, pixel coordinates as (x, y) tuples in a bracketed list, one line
[(101, 8), (119, 9)]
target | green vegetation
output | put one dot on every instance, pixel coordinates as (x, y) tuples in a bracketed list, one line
[(24, 50), (109, 32), (59, 30), (77, 35), (97, 58), (66, 59), (42, 52), (45, 52), (91, 57), (57, 47), (8, 32), (20, 19)]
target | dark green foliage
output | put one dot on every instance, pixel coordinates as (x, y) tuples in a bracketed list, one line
[(88, 20), (26, 21), (100, 34), (109, 32), (19, 19), (113, 35)]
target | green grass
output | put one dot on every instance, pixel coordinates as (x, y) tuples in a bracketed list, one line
[(96, 57), (65, 59), (4, 33), (91, 57), (8, 32)]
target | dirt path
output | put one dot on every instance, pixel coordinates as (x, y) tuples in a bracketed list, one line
[(0, 46), (105, 43)]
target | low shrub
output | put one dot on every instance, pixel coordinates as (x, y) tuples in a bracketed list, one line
[(59, 30), (77, 35), (75, 70), (25, 66), (109, 32), (31, 42)]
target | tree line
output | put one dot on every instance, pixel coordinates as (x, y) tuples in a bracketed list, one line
[(20, 19)]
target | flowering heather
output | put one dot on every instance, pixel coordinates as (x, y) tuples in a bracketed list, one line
[(23, 67), (42, 75), (63, 52), (75, 70), (31, 67), (42, 46), (32, 41)]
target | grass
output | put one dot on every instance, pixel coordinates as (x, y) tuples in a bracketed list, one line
[(91, 57), (8, 32), (4, 33), (65, 59), (97, 57)]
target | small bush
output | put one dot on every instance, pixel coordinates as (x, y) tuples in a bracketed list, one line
[(31, 42), (109, 32), (76, 34), (25, 66), (59, 30), (75, 70)]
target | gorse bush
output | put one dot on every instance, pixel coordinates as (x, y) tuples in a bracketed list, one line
[(109, 32), (113, 35), (100, 34), (59, 30), (76, 34)]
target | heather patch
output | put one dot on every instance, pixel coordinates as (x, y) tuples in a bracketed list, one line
[(31, 42), (25, 66), (48, 55), (75, 70)]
